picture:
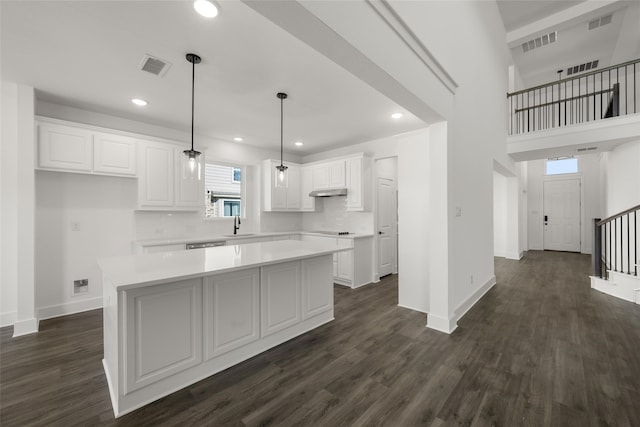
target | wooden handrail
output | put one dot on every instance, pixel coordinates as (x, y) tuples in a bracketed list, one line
[(567, 79), (533, 107), (618, 215)]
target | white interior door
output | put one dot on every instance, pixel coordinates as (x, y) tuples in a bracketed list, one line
[(562, 215), (387, 226)]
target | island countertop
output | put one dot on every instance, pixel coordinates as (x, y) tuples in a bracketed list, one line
[(128, 272)]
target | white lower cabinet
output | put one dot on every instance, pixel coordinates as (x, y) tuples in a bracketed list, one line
[(163, 333), (232, 311), (280, 304), (316, 297), (345, 266)]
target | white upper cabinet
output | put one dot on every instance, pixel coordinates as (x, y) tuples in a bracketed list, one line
[(307, 204), (281, 199), (63, 147), (157, 175), (114, 154), (160, 183), (189, 192), (329, 175), (359, 183)]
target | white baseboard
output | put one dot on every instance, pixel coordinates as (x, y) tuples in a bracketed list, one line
[(441, 324), (474, 298), (500, 254), (25, 327), (516, 256), (8, 319), (69, 308), (412, 308)]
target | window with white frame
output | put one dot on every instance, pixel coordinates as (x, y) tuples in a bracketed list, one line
[(223, 190), (561, 165)]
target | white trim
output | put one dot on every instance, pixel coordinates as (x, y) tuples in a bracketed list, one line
[(8, 319), (441, 324), (412, 308), (474, 298), (404, 32), (516, 256), (112, 390), (25, 327), (69, 308)]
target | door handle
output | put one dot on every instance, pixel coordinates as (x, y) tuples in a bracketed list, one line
[(546, 218), (380, 232)]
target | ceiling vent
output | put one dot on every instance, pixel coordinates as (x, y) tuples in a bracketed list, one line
[(580, 150), (603, 20), (582, 67), (540, 41), (154, 65)]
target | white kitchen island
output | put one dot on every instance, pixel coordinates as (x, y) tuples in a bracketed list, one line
[(172, 319)]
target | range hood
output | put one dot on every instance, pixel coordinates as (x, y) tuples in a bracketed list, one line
[(329, 193)]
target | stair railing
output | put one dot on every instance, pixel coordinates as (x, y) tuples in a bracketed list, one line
[(593, 95), (615, 243)]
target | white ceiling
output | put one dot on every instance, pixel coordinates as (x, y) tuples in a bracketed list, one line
[(86, 54), (576, 43)]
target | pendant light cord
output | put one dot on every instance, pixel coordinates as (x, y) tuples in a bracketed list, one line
[(193, 78), (281, 131)]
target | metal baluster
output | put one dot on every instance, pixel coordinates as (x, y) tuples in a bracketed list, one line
[(628, 247), (615, 245)]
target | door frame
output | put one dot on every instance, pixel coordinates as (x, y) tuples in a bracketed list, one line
[(563, 177), (376, 249)]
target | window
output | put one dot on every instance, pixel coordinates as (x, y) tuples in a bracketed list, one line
[(224, 190), (561, 165)]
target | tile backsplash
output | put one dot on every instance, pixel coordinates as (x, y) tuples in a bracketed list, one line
[(331, 214)]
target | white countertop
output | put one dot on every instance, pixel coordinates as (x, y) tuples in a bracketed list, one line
[(225, 238), (126, 272)]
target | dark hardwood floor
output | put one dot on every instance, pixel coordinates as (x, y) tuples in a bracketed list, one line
[(540, 349)]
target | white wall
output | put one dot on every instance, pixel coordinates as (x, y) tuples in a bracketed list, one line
[(623, 178), (412, 152), (18, 200), (499, 215), (105, 209), (589, 174)]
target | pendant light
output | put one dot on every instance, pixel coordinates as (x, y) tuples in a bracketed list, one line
[(281, 171), (191, 167)]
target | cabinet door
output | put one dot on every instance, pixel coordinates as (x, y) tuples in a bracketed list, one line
[(345, 265), (232, 311), (163, 331), (354, 183), (337, 174), (317, 286), (189, 192), (156, 175), (306, 186), (321, 176), (64, 148), (293, 188), (279, 296), (114, 154)]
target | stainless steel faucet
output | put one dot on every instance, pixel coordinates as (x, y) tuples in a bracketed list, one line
[(236, 224)]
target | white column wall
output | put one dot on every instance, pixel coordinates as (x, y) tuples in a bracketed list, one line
[(18, 206), (623, 181), (499, 215)]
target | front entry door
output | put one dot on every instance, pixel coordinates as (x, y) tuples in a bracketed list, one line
[(562, 215)]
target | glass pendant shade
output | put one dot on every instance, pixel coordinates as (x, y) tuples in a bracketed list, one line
[(282, 177), (191, 165)]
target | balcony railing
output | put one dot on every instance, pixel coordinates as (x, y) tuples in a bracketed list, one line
[(595, 95), (616, 244)]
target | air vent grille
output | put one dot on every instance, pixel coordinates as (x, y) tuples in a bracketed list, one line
[(580, 150), (599, 22), (154, 65), (540, 41), (582, 67)]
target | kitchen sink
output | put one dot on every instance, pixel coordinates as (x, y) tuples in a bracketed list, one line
[(239, 235)]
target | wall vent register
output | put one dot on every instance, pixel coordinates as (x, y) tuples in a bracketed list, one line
[(540, 41), (154, 65)]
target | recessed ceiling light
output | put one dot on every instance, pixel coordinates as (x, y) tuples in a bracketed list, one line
[(139, 102), (205, 8), (299, 143), (237, 139), (396, 115)]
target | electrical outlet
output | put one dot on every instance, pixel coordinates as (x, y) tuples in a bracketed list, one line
[(80, 286), (75, 226)]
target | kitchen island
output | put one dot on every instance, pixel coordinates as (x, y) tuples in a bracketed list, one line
[(172, 319)]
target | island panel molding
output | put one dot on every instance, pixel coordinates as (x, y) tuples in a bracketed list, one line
[(205, 311)]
